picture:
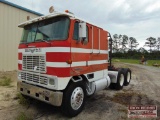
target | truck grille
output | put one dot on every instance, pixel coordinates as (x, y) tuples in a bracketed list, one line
[(34, 78), (34, 63)]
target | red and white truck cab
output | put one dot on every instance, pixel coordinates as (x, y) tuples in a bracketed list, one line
[(62, 59)]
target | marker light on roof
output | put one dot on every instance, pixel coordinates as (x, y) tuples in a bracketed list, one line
[(67, 11)]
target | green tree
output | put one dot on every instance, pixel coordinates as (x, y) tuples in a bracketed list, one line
[(115, 42), (133, 43), (151, 42), (142, 50), (158, 43), (124, 41)]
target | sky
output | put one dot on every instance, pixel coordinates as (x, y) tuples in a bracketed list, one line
[(135, 18)]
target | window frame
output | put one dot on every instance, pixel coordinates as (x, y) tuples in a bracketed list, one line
[(87, 32), (37, 24)]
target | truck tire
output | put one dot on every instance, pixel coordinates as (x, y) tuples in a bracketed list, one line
[(127, 76), (74, 99), (112, 86), (120, 80)]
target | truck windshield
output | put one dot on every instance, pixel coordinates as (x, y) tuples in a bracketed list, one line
[(52, 29)]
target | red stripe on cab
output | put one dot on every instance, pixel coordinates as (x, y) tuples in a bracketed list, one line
[(19, 66), (57, 56), (19, 56), (59, 72)]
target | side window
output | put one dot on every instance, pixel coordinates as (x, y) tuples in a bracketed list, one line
[(87, 32), (29, 33), (76, 31)]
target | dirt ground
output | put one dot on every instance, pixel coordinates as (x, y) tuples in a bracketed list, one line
[(144, 89)]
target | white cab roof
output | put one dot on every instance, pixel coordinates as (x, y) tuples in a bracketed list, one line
[(54, 14)]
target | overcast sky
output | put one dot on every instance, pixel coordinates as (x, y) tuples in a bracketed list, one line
[(135, 18)]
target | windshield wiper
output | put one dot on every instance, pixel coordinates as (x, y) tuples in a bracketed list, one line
[(42, 40)]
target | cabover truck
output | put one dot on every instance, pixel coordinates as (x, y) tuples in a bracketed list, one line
[(62, 59)]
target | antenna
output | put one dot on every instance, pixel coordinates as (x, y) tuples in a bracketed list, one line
[(51, 9)]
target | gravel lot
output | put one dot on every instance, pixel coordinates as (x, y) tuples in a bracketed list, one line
[(144, 89)]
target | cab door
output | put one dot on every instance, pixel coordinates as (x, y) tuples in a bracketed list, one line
[(80, 51)]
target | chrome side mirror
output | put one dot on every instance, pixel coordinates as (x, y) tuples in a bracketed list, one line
[(82, 30)]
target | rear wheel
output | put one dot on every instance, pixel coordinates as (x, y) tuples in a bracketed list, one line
[(127, 76), (74, 99), (120, 80)]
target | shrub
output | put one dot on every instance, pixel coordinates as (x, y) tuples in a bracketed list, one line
[(5, 81), (23, 116), (22, 100)]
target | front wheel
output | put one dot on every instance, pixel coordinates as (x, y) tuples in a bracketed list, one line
[(74, 99)]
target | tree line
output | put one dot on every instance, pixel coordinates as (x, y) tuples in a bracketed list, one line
[(126, 47)]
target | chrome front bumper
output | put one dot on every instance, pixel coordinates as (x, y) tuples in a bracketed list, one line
[(42, 94)]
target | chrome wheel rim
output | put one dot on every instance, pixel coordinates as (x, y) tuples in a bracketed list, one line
[(128, 77), (121, 79), (77, 98)]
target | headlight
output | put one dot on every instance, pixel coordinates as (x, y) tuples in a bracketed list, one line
[(51, 81), (19, 75)]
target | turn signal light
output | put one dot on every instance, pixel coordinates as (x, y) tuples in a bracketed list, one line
[(69, 61), (67, 11)]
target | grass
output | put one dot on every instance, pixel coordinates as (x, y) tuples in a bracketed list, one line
[(151, 62), (23, 116), (5, 81), (25, 102), (134, 61), (7, 96), (22, 100)]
